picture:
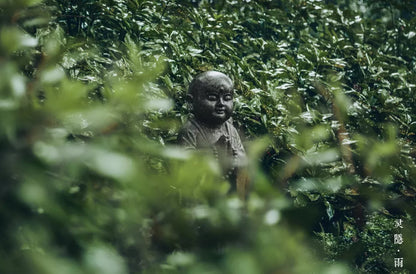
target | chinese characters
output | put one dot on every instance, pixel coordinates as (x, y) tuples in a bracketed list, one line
[(398, 240)]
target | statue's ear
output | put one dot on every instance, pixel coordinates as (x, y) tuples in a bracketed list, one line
[(189, 98), (189, 101)]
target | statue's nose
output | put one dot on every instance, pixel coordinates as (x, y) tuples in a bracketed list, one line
[(220, 101)]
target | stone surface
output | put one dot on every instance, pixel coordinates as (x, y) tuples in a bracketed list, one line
[(211, 98)]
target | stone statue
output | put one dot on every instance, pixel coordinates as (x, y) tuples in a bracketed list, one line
[(210, 95)]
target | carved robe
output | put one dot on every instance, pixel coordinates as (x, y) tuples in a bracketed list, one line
[(226, 146)]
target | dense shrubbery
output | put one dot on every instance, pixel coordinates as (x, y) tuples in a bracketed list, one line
[(92, 96)]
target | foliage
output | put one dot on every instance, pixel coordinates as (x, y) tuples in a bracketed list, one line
[(93, 94)]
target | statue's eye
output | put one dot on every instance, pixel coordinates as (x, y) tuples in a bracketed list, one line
[(228, 97), (212, 97)]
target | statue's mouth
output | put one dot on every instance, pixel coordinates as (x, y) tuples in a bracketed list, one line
[(220, 111)]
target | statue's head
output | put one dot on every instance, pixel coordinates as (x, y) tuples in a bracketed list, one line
[(211, 95)]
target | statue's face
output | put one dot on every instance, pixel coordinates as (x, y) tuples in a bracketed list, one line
[(213, 103)]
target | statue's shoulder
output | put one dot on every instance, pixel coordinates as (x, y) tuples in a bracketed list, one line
[(191, 126), (232, 131), (234, 136), (189, 134)]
